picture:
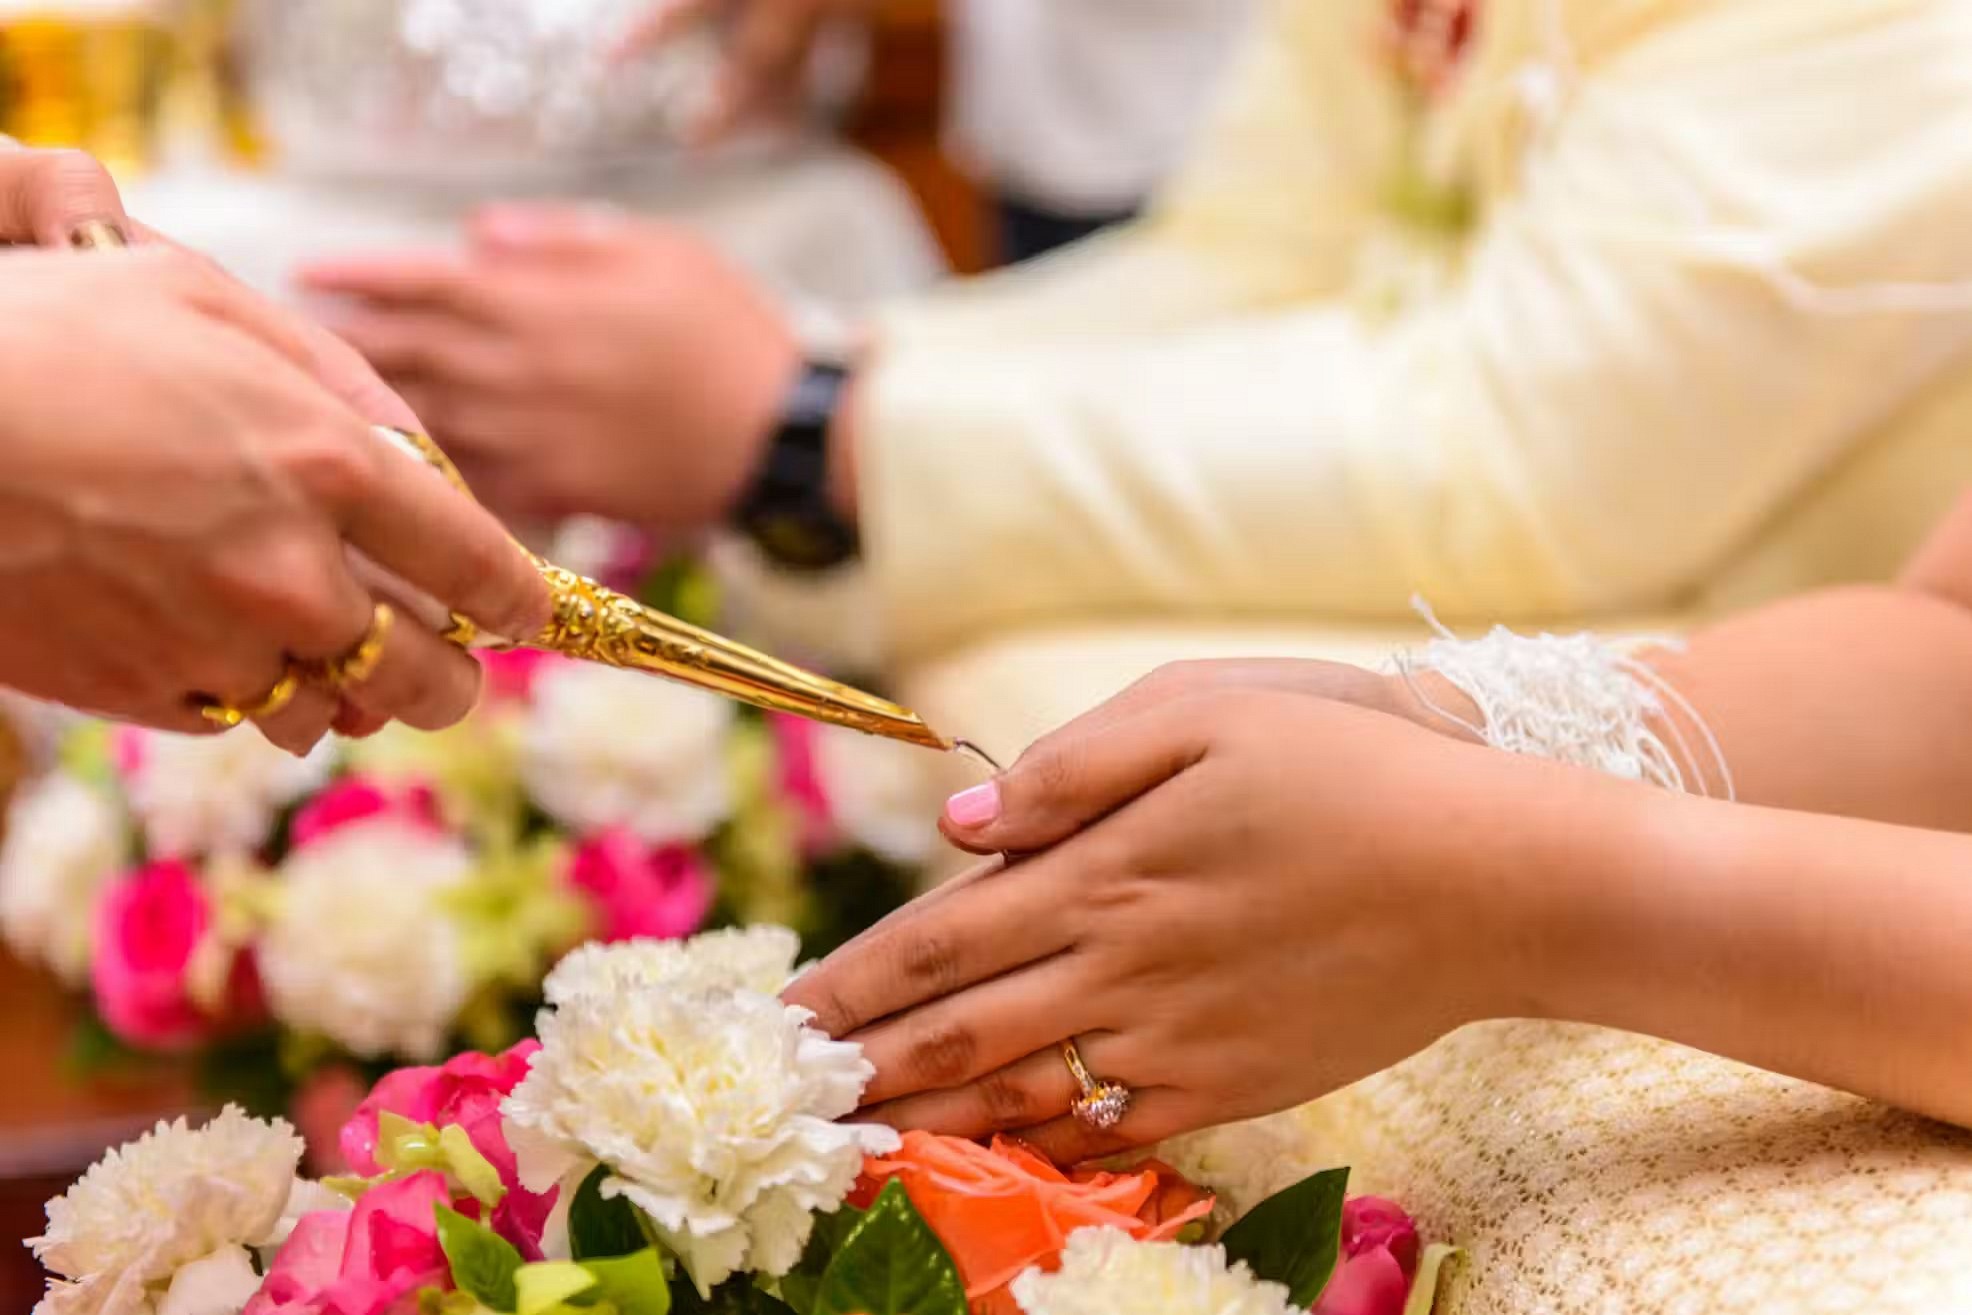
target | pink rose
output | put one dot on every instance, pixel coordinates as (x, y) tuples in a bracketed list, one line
[(368, 1261), (359, 799), (510, 673), (639, 891), (148, 927), (1379, 1260), (466, 1091), (801, 782)]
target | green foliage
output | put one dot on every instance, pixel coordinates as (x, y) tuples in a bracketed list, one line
[(1294, 1237), (602, 1228), (483, 1262), (891, 1263)]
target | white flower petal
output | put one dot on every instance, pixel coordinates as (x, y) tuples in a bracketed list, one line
[(64, 842), (1104, 1271), (219, 794), (219, 1284)]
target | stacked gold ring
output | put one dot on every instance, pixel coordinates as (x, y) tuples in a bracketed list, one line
[(226, 716), (361, 662)]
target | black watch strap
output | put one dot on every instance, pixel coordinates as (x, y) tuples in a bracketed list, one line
[(786, 510)]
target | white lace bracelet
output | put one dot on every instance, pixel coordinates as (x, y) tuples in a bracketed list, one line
[(1573, 699)]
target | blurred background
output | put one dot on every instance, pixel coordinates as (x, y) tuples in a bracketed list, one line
[(273, 131)]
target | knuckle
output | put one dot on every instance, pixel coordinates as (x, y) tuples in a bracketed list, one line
[(931, 963), (942, 1055), (331, 468), (282, 581), (1007, 1103)]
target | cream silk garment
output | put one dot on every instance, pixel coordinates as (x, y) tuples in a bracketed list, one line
[(1694, 339)]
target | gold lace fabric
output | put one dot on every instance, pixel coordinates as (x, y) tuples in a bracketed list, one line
[(1590, 1172)]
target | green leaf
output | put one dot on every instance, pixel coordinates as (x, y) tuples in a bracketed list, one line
[(483, 1262), (634, 1285), (1424, 1288), (891, 1264), (541, 1288), (803, 1285), (599, 1227), (738, 1297), (1295, 1236)]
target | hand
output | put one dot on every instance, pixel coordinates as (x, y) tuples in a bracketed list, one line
[(46, 196), (766, 49), (183, 479), (1242, 899), (579, 362)]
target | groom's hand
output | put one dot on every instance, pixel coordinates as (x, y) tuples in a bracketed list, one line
[(47, 196), (578, 361), (184, 471)]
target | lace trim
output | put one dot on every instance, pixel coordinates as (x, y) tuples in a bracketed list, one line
[(1573, 699)]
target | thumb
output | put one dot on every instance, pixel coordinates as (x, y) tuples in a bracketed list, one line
[(1075, 778), (45, 196)]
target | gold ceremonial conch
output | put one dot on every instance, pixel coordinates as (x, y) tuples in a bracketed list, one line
[(597, 624)]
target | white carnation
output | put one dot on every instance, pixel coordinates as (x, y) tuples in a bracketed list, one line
[(879, 793), (605, 749), (362, 948), (219, 794), (64, 842), (715, 1111), (174, 1198), (759, 959), (1104, 1271)]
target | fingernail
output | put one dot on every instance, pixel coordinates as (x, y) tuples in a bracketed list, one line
[(975, 807)]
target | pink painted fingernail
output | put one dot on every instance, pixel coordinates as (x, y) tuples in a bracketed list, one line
[(975, 807)]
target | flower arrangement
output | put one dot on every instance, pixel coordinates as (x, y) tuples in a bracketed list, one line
[(678, 1147), (306, 923)]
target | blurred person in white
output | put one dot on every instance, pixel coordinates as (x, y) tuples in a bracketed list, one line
[(1535, 307), (1069, 115), (185, 474)]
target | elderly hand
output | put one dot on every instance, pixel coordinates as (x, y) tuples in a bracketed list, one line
[(185, 469), (578, 361), (1239, 899)]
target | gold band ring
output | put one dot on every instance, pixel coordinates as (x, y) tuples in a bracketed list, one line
[(227, 716), (1102, 1104), (464, 632), (361, 662)]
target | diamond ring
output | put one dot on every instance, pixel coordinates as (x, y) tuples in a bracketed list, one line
[(1102, 1104)]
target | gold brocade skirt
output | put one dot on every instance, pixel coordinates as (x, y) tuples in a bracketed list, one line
[(1590, 1172)]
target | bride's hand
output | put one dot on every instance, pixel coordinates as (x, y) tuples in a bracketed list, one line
[(184, 470), (1256, 897), (46, 196)]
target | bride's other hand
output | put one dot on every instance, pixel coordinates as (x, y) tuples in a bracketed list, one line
[(182, 480), (1283, 894), (578, 361), (766, 50)]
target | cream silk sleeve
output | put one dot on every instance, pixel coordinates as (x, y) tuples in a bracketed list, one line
[(1717, 270)]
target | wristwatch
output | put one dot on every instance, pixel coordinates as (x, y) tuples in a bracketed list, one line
[(786, 510)]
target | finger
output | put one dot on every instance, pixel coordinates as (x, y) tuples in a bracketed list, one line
[(663, 21), (1034, 1090), (45, 196), (938, 947), (300, 726), (419, 343), (961, 1038), (548, 230), (1063, 785), (424, 280), (420, 680), (1155, 1114), (332, 362), (406, 518)]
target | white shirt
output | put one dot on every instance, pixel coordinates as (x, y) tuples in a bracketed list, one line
[(1083, 106)]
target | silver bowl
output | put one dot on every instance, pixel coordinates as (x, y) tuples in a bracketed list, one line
[(467, 91)]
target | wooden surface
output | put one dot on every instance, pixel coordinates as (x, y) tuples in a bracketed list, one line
[(900, 118), (52, 1126)]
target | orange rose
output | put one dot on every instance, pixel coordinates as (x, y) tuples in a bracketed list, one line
[(1003, 1209)]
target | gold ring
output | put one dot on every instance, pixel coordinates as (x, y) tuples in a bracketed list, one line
[(464, 632), (362, 661), (227, 716), (97, 235), (1102, 1104)]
